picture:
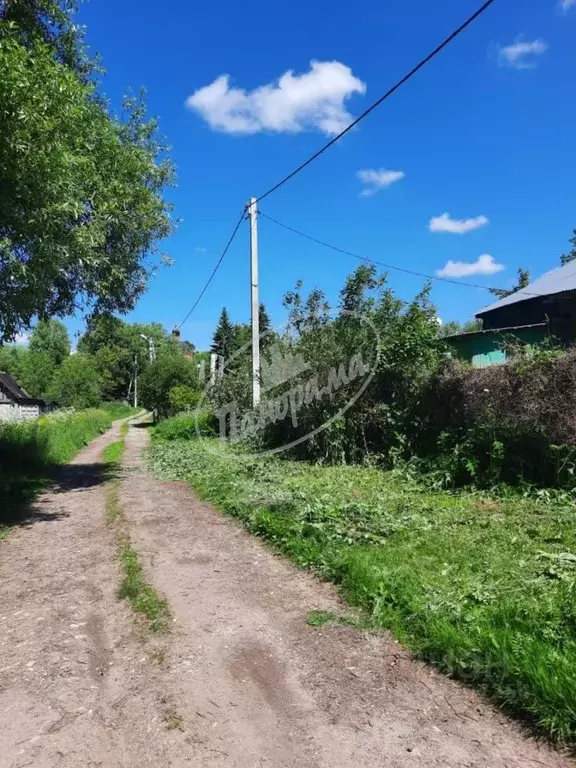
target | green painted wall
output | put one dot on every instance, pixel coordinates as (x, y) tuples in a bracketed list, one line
[(486, 348)]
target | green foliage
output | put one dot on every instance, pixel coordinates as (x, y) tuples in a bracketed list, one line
[(80, 188), (267, 335), (459, 425), (32, 370), (30, 449), (510, 424), (523, 282), (224, 340), (118, 410), (399, 342), (183, 398), (113, 453), (115, 346), (51, 22), (161, 377), (50, 337), (566, 258), (187, 427), (481, 587), (453, 327), (77, 383)]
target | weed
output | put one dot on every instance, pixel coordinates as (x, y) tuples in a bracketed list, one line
[(158, 655), (173, 719), (142, 596), (113, 453), (481, 587), (112, 501), (322, 618)]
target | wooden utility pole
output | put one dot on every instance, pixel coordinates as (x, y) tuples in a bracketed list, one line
[(255, 302)]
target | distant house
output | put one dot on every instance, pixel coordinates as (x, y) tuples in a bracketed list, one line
[(545, 308), (15, 403)]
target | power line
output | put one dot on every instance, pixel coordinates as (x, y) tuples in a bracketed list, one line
[(383, 98), (382, 263), (222, 255)]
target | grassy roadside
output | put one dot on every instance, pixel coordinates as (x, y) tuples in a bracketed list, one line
[(31, 450), (483, 588), (142, 596)]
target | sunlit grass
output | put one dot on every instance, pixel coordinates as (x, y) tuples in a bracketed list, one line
[(483, 588)]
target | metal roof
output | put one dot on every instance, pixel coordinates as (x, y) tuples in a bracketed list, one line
[(492, 331), (556, 281)]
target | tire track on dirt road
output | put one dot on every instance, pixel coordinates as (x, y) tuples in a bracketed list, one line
[(255, 685), (77, 688)]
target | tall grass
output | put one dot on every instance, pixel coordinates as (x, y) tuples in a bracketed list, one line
[(187, 426), (483, 588), (119, 410), (29, 450)]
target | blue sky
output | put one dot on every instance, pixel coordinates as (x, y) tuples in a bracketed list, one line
[(486, 130)]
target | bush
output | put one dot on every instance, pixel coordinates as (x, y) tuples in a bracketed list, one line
[(183, 398), (187, 427), (162, 377), (369, 319), (502, 424)]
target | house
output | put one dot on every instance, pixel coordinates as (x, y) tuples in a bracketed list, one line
[(15, 402), (544, 309)]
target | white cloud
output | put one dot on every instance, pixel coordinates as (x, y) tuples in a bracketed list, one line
[(313, 100), (484, 265), (199, 249), (522, 54), (445, 223), (567, 4), (377, 179)]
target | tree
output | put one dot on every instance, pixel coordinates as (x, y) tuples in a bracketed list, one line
[(523, 282), (33, 371), (453, 327), (267, 334), (566, 258), (38, 374), (51, 337), (115, 344), (162, 377), (224, 339), (242, 338), (76, 383), (50, 21), (81, 189), (13, 361)]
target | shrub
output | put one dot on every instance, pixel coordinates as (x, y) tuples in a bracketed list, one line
[(511, 423), (183, 398), (161, 377), (187, 427)]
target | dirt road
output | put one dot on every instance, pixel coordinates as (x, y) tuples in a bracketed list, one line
[(240, 681)]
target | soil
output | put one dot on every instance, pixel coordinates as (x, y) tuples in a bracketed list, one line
[(240, 681)]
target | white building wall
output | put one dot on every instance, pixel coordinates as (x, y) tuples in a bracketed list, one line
[(14, 412)]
